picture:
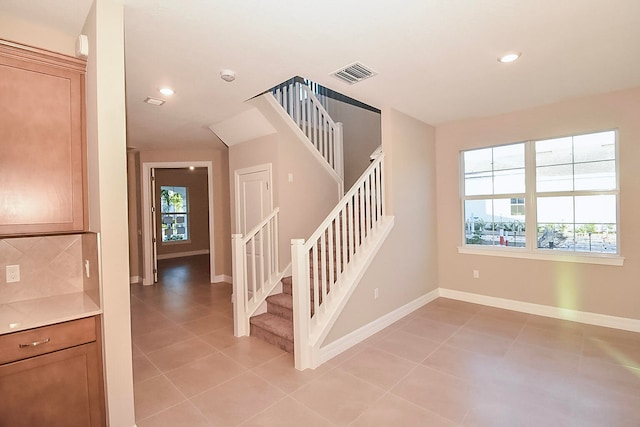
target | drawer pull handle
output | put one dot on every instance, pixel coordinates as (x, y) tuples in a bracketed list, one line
[(35, 343)]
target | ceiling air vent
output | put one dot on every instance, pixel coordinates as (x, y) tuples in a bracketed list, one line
[(354, 73)]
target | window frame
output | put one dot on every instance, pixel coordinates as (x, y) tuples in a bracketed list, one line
[(531, 195), (186, 213)]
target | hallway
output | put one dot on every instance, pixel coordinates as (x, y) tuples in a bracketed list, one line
[(449, 363)]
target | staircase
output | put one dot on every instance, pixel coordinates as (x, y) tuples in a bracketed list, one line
[(276, 325), (327, 267)]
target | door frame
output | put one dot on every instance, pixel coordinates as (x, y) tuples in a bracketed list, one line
[(146, 214), (236, 178)]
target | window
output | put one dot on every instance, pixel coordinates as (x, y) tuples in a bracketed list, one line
[(555, 195), (175, 213)]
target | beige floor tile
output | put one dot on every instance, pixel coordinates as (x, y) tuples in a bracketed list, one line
[(377, 367), (491, 325), (181, 415), (338, 396), (446, 315), (498, 413), (544, 359), (391, 410), (430, 329), (615, 378), (162, 337), (620, 352), (146, 322), (237, 400), (205, 373), (500, 313), (187, 314), (287, 413), (477, 342), (444, 394), (180, 354), (206, 325), (559, 339), (220, 338), (143, 369), (456, 305), (155, 395), (472, 367), (251, 352), (407, 345), (281, 373)]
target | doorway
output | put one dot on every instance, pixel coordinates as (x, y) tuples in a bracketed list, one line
[(253, 195), (149, 255)]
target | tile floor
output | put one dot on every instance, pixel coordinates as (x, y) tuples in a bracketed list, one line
[(449, 363)]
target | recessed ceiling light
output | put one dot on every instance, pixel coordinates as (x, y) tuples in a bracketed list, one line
[(154, 101), (509, 57), (191, 168), (166, 91)]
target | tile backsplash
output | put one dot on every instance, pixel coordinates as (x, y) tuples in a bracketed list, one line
[(49, 265)]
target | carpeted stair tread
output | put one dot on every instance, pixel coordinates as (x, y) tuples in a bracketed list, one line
[(282, 300), (273, 329)]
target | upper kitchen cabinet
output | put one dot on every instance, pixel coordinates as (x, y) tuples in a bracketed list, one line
[(42, 141)]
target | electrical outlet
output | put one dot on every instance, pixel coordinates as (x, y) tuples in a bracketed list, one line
[(476, 274), (13, 273), (86, 268), (376, 294)]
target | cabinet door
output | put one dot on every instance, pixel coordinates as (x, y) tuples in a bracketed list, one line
[(60, 389), (41, 144)]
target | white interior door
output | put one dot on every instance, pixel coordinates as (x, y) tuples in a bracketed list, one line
[(253, 204), (253, 197)]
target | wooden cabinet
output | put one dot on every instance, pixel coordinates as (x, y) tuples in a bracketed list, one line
[(42, 141), (52, 376)]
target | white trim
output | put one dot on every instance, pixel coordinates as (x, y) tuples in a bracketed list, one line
[(134, 279), (346, 342), (560, 256), (146, 213), (222, 278), (183, 254), (545, 310)]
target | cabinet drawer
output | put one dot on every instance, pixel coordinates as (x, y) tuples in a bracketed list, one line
[(21, 345)]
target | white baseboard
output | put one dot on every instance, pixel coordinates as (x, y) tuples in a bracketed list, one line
[(342, 344), (135, 279), (183, 254), (222, 278), (545, 310)]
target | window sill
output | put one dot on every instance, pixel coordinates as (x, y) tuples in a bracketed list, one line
[(176, 242), (602, 259)]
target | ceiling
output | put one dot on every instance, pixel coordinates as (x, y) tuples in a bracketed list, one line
[(435, 59)]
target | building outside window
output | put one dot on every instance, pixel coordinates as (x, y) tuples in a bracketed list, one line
[(175, 213), (551, 195)]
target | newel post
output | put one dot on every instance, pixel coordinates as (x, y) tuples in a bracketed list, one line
[(240, 320), (301, 304)]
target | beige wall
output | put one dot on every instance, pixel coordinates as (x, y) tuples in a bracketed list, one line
[(362, 134), (221, 197), (134, 197), (592, 288), (406, 267), (198, 194)]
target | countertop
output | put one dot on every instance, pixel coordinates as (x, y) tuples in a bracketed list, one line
[(22, 315)]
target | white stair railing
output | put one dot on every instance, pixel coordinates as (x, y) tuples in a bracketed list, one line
[(307, 111), (255, 270), (321, 265)]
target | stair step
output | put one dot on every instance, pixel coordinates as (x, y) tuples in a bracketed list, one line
[(274, 330), (286, 284), (281, 305)]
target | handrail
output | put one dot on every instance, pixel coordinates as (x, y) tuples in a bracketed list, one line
[(320, 264), (255, 263), (307, 111)]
